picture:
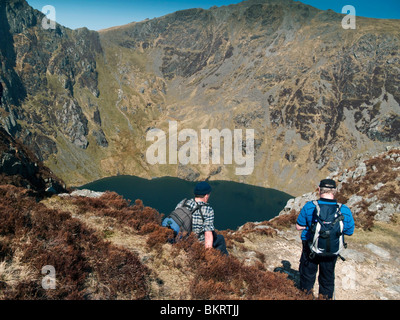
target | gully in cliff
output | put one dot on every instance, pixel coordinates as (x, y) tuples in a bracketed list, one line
[(189, 152), (1, 92)]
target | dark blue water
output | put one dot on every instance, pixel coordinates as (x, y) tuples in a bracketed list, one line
[(234, 203)]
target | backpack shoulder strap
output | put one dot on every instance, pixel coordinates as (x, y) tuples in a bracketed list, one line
[(340, 217), (185, 201), (199, 207), (316, 204), (185, 204)]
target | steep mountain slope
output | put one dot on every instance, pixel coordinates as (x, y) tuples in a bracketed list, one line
[(315, 94), (103, 248), (43, 73), (19, 167)]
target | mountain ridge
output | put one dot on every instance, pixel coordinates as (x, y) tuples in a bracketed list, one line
[(316, 94)]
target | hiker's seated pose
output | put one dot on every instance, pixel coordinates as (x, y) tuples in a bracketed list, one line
[(323, 224), (197, 216)]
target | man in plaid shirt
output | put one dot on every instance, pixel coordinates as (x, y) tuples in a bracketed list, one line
[(203, 222)]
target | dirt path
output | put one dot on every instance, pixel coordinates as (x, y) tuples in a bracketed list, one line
[(371, 270)]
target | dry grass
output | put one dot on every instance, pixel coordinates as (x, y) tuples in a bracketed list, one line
[(384, 234), (87, 266), (106, 248), (14, 272), (380, 169)]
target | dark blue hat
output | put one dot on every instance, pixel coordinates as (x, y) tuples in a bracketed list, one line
[(327, 183), (202, 188)]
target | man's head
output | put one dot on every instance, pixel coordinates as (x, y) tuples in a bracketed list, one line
[(327, 187), (202, 191)]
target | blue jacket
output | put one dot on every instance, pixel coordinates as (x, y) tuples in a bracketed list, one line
[(305, 217)]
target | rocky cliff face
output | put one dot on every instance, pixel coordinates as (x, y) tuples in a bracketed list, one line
[(19, 167), (370, 189), (41, 71), (315, 94)]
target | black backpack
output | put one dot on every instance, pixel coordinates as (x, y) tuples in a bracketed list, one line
[(327, 231), (180, 220)]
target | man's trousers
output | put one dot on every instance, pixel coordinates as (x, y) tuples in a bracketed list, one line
[(308, 270)]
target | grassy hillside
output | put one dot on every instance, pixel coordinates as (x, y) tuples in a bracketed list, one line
[(105, 249)]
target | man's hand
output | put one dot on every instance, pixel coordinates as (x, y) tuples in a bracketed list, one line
[(300, 228), (208, 235)]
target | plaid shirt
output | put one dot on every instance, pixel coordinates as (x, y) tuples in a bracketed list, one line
[(199, 227)]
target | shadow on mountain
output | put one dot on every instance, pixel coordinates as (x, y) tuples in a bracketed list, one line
[(14, 84), (292, 274)]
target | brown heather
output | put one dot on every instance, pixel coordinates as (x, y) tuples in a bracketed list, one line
[(87, 267), (222, 277), (90, 266), (107, 248), (380, 169)]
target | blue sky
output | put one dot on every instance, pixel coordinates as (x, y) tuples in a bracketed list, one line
[(101, 14)]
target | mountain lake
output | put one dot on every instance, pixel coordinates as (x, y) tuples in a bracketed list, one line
[(234, 203)]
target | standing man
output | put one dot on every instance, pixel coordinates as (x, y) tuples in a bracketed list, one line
[(309, 262), (203, 222)]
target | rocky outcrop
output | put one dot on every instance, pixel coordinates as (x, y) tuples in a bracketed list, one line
[(101, 139), (369, 189), (376, 181), (47, 65), (19, 167), (73, 123), (82, 193)]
